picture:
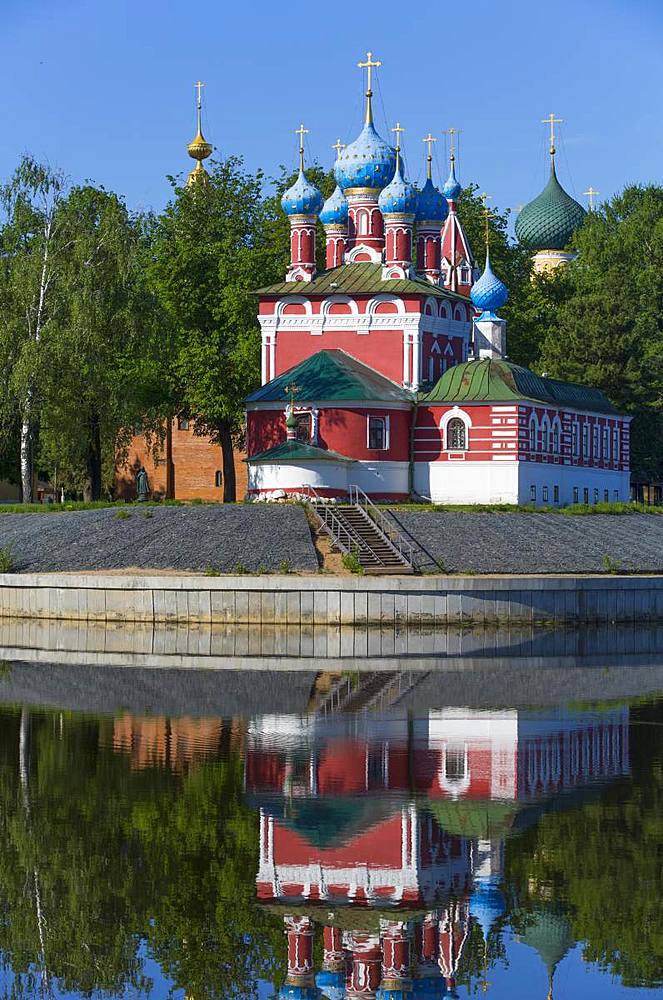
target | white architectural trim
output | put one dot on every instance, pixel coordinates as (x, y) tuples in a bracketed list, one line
[(338, 298), (391, 299), (359, 250)]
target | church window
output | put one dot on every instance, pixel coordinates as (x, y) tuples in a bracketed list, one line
[(606, 496), (585, 495), (456, 435), (555, 494), (555, 438), (532, 494), (585, 440), (606, 444), (532, 433), (615, 444), (455, 765), (377, 433), (595, 443), (465, 275), (444, 276), (546, 435), (575, 439), (363, 223), (218, 478), (576, 494), (431, 368), (596, 496), (615, 495), (303, 427), (545, 494), (182, 424)]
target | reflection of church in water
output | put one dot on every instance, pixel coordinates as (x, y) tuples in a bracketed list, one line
[(389, 836)]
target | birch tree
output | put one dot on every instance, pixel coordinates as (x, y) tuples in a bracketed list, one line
[(30, 254)]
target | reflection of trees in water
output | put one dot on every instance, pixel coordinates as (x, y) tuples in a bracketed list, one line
[(598, 865), (113, 857)]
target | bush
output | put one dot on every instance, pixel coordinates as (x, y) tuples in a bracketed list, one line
[(351, 561), (6, 560)]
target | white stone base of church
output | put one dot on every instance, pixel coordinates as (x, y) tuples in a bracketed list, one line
[(543, 484), (377, 479)]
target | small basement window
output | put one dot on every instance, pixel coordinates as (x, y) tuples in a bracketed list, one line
[(377, 433), (576, 494), (218, 479), (532, 494), (182, 424), (545, 494)]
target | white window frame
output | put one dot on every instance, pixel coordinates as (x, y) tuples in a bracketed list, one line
[(585, 441), (545, 434), (575, 439), (465, 417), (533, 433), (606, 443), (615, 445), (387, 435)]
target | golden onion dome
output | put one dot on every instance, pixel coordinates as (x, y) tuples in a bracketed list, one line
[(200, 148)]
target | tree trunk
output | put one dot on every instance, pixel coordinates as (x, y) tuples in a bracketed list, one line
[(225, 437), (27, 472), (92, 489)]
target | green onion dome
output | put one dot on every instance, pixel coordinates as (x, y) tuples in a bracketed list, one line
[(549, 222)]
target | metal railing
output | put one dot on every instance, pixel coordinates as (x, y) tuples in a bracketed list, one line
[(344, 538), (391, 535)]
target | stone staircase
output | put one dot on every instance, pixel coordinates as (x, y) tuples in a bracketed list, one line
[(359, 527)]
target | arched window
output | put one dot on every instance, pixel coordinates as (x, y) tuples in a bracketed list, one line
[(378, 433), (575, 438), (456, 435), (615, 444), (532, 433), (585, 440), (595, 443), (363, 223), (606, 444), (555, 437), (546, 439)]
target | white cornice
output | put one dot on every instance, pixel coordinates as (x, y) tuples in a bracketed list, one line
[(364, 323)]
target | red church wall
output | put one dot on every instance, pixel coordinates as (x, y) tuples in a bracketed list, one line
[(380, 847), (381, 350), (341, 430)]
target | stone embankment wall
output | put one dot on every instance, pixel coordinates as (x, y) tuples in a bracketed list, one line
[(331, 600)]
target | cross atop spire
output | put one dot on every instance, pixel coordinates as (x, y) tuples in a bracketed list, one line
[(487, 216), (552, 121), (369, 66), (451, 132), (199, 149), (339, 147), (591, 194), (301, 132), (398, 130), (430, 139)]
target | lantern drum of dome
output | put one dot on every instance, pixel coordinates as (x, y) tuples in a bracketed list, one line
[(398, 204), (334, 218), (302, 203)]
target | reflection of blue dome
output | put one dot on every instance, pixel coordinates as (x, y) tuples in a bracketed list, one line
[(288, 992), (398, 994), (431, 206), (489, 293), (303, 198), (331, 984), (451, 188), (367, 162), (335, 209), (487, 904), (399, 197), (429, 988)]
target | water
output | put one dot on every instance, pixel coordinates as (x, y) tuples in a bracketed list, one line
[(474, 821)]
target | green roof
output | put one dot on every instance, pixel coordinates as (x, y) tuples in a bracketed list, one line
[(331, 375), (490, 381), (358, 279), (549, 222), (547, 931), (297, 451)]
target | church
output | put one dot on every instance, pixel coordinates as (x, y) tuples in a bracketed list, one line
[(389, 370)]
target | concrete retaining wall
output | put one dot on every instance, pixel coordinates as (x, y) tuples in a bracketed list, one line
[(330, 600)]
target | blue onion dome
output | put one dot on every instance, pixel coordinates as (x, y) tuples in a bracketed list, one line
[(429, 988), (489, 294), (367, 162), (335, 209), (432, 206), (331, 984), (399, 197), (487, 904), (400, 993), (549, 222), (451, 188), (303, 198), (290, 992)]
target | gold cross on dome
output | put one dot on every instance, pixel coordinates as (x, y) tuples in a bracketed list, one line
[(487, 216), (339, 147), (430, 139), (369, 66), (199, 87), (301, 132), (451, 132), (591, 194), (398, 130), (292, 389), (552, 121)]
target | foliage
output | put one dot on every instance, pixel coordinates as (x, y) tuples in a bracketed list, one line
[(6, 559), (351, 561)]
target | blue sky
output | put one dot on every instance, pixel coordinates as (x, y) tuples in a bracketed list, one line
[(104, 88)]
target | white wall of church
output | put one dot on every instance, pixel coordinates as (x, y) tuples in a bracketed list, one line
[(467, 482), (375, 478), (543, 477)]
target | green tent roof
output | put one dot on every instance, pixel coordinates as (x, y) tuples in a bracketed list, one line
[(297, 451), (331, 375), (549, 222), (483, 818), (490, 381), (357, 279)]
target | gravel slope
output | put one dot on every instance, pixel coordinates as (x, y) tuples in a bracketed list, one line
[(180, 538), (534, 543)]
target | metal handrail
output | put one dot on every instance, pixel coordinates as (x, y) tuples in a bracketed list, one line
[(391, 535), (346, 539)]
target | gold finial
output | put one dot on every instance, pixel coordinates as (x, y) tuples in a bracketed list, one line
[(430, 139), (292, 389), (451, 132), (398, 130), (339, 147), (301, 132), (552, 121), (487, 216), (369, 65), (199, 149), (591, 194)]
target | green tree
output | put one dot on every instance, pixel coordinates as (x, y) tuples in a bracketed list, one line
[(31, 245), (213, 247), (106, 342), (605, 315)]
